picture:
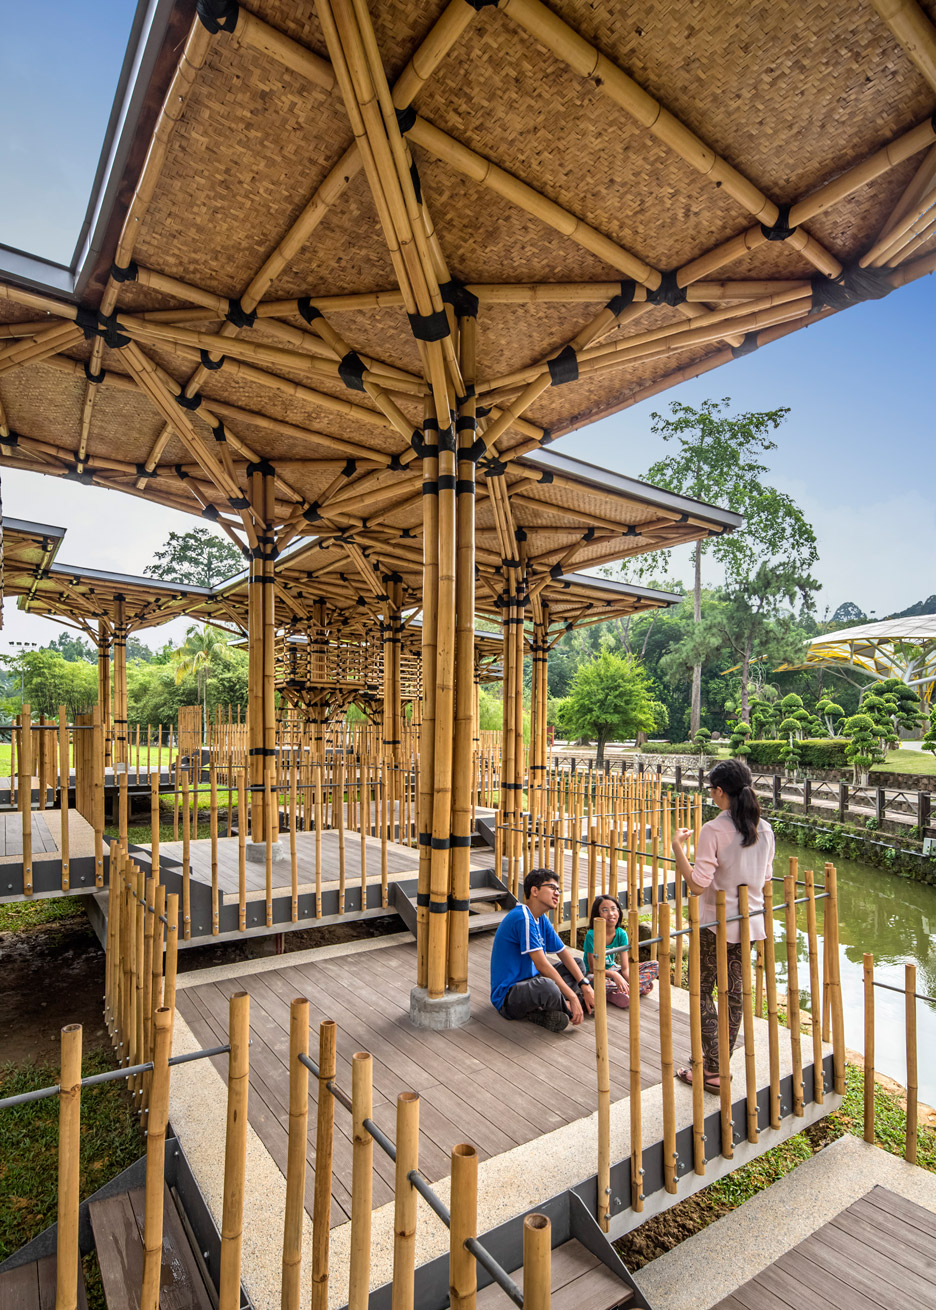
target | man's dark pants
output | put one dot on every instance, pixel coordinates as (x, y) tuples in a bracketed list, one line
[(538, 993)]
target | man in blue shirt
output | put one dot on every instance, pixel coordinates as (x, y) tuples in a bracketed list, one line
[(524, 985)]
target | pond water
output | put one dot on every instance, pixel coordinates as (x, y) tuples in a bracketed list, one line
[(895, 920)]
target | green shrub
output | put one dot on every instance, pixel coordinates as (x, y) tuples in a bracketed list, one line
[(812, 753)]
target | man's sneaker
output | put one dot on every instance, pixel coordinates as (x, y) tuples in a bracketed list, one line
[(557, 1021)]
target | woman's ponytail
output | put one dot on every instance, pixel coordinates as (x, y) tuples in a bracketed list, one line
[(734, 778)]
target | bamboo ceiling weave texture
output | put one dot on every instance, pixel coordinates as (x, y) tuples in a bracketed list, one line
[(614, 197)]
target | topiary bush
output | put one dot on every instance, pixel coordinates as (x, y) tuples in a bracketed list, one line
[(813, 753)]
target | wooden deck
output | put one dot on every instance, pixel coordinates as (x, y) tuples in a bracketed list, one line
[(879, 1253), (493, 1083), (579, 1282), (11, 835)]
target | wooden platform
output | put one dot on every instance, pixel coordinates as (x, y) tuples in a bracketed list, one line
[(579, 1282), (118, 1237), (32, 1287), (493, 1083), (879, 1253), (11, 835)]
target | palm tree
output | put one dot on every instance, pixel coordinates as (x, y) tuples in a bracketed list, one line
[(195, 655)]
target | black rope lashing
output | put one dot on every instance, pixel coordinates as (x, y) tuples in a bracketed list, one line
[(128, 274), (211, 364), (311, 512), (95, 324), (261, 466), (240, 317), (414, 178), (851, 287), (779, 229), (464, 302), (564, 368), (351, 370), (219, 433), (396, 464), (429, 327), (238, 502), (747, 346), (97, 378), (143, 472), (617, 304), (210, 512), (668, 292), (218, 15), (406, 119), (307, 310), (189, 402)]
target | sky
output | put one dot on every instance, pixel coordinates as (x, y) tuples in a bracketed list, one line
[(856, 451)]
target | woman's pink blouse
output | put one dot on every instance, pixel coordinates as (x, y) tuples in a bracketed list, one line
[(723, 864)]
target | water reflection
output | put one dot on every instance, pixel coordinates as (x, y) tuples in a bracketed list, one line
[(894, 919)]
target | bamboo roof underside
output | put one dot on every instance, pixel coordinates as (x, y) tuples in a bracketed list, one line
[(627, 197)]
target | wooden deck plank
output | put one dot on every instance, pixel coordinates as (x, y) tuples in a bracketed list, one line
[(579, 1282), (847, 1255), (19, 1288), (181, 1284), (911, 1259), (908, 1234), (908, 1212)]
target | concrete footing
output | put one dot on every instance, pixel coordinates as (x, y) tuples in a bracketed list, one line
[(449, 1011), (256, 852)]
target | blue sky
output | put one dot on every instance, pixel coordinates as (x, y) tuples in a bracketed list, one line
[(856, 451)]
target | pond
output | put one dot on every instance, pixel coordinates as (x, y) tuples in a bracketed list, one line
[(895, 920)]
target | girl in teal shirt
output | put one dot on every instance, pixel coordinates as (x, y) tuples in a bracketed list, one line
[(616, 962)]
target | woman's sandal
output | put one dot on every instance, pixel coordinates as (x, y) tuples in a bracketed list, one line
[(685, 1076)]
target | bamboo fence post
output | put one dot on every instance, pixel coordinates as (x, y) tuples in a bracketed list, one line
[(773, 1022), (63, 792), (593, 864), (172, 951), (670, 1158), (235, 1151), (826, 990), (324, 1145), (463, 1270), (242, 849), (186, 856), (296, 1154), (724, 1058), (635, 1104), (537, 1262), (159, 915), (815, 994), (910, 1152), (69, 1146), (793, 999), (869, 1047), (362, 1180), (293, 854), (149, 931), (154, 824), (750, 1064), (157, 1120), (25, 797), (835, 982), (759, 971), (695, 1036), (404, 1212), (340, 782), (213, 834), (139, 967), (599, 947)]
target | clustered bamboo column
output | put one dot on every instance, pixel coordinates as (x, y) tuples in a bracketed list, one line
[(261, 620), (104, 685), (121, 753), (539, 647)]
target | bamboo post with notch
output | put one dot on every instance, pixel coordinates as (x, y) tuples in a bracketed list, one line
[(747, 1000), (869, 1047), (537, 1262), (235, 1152), (270, 800), (186, 858), (242, 812), (97, 793), (69, 1147), (293, 853), (670, 1158), (154, 824), (835, 981), (25, 797), (815, 993), (910, 1152), (63, 792), (793, 998), (635, 1104), (463, 1270), (695, 1037), (599, 948), (342, 868), (724, 1057), (773, 1020), (404, 1210), (291, 1289), (362, 1180), (213, 834), (149, 934), (157, 1120), (324, 1146)]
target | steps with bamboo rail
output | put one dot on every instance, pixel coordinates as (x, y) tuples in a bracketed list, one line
[(117, 1223), (491, 892), (32, 1286), (580, 1281)]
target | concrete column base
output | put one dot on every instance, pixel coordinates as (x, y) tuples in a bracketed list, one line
[(256, 852), (449, 1011)]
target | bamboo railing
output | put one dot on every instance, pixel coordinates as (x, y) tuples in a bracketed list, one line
[(910, 998)]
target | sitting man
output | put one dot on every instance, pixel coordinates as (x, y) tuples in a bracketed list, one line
[(524, 985)]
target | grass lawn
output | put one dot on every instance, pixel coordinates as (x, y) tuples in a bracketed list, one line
[(920, 763), (21, 916)]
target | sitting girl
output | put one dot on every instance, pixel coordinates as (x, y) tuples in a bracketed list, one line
[(617, 965)]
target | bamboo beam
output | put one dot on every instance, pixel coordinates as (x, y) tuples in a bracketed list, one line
[(914, 31)]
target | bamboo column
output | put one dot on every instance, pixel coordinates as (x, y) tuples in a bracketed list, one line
[(793, 997), (635, 1104), (291, 1291), (324, 1145), (599, 928), (69, 1145), (463, 1271), (157, 1119), (750, 1071), (695, 1037), (430, 591), (724, 1067), (868, 1047), (235, 1152), (404, 1216), (104, 687), (537, 1261), (670, 1158), (25, 796), (362, 1180), (910, 1152), (261, 704), (121, 741), (815, 993), (831, 946)]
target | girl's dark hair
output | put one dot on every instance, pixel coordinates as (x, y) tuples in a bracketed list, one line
[(596, 910), (734, 778)]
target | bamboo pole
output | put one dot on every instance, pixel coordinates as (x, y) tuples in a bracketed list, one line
[(599, 930), (750, 1064), (793, 997), (69, 1147), (213, 834), (670, 1157), (63, 741), (242, 812), (324, 1143), (724, 1058), (537, 1261), (362, 1180), (405, 1213), (835, 983), (463, 1272), (235, 1152), (25, 796), (293, 853), (815, 993), (695, 1036), (157, 1120), (910, 1152), (869, 1047), (773, 1021), (291, 1288), (635, 1104)]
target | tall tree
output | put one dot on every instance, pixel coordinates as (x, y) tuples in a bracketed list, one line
[(202, 648), (197, 558), (610, 697), (718, 460)]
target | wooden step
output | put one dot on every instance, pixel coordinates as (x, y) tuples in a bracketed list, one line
[(118, 1238), (579, 1282), (32, 1287), (485, 922)]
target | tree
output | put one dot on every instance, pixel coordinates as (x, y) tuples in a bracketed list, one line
[(48, 681), (929, 741), (72, 648), (197, 559), (831, 714), (610, 697), (848, 612), (717, 461), (864, 747), (201, 648), (902, 705)]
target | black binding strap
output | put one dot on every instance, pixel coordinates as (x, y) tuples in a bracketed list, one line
[(747, 346), (307, 310), (779, 229), (668, 292), (219, 433), (429, 327), (617, 304), (210, 512), (261, 466), (564, 368), (851, 287), (351, 371), (95, 324), (97, 378), (239, 316), (406, 119), (189, 402), (128, 274), (414, 178), (349, 469), (211, 364), (396, 464), (217, 15), (464, 302), (238, 502)]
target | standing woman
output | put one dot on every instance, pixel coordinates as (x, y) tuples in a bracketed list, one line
[(735, 847)]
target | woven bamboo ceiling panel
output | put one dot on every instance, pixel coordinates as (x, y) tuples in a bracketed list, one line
[(361, 224)]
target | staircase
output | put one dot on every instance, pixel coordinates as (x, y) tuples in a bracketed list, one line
[(117, 1223), (488, 901), (32, 1286)]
